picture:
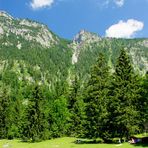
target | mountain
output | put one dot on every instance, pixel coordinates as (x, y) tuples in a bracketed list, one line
[(30, 52), (29, 30), (86, 50)]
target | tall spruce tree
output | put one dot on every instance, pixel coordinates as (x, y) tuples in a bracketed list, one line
[(123, 109), (96, 98), (146, 96), (11, 111), (76, 108), (144, 106), (35, 126), (16, 109), (15, 115), (5, 110), (58, 117), (73, 92)]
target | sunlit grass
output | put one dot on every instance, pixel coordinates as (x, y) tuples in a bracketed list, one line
[(59, 143)]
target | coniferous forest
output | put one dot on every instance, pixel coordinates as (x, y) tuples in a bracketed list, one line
[(110, 105), (92, 88)]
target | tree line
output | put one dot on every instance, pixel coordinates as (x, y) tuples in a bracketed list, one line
[(108, 105)]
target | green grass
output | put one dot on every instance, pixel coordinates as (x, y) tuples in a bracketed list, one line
[(60, 143)]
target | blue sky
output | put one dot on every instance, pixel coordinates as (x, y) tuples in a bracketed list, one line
[(112, 18)]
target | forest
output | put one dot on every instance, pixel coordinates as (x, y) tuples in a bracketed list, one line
[(108, 105), (89, 87)]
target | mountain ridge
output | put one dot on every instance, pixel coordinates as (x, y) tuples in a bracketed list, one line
[(33, 52), (29, 22)]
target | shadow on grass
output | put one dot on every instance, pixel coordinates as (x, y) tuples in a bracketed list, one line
[(30, 141), (84, 141), (141, 144)]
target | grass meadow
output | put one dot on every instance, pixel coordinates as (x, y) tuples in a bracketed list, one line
[(62, 143)]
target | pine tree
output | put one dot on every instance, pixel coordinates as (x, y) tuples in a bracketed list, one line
[(16, 109), (35, 127), (5, 112), (73, 91), (125, 94), (58, 117), (96, 98), (144, 103), (72, 99), (78, 117), (11, 112), (146, 96), (76, 108)]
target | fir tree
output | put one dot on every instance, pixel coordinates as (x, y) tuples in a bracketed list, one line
[(76, 108), (36, 126), (72, 99), (16, 109), (125, 94), (5, 112), (146, 96), (73, 91), (58, 117), (144, 102), (78, 117), (96, 98)]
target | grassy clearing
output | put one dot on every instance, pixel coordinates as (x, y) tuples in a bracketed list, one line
[(60, 143)]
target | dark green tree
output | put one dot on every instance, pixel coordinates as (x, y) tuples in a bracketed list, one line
[(76, 108), (96, 98), (73, 92), (77, 117), (16, 109), (144, 102), (124, 114), (146, 96), (5, 110), (35, 127), (58, 117)]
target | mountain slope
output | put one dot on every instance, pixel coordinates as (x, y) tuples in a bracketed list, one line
[(30, 52), (86, 47)]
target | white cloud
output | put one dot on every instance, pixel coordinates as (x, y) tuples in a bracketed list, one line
[(119, 3), (124, 29), (38, 4), (107, 3)]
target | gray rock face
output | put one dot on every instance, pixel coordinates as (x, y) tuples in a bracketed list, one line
[(29, 30), (85, 36), (1, 30)]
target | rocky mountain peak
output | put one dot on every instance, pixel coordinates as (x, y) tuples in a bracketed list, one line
[(6, 15), (85, 36), (26, 29)]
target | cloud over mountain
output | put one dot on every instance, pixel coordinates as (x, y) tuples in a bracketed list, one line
[(124, 29)]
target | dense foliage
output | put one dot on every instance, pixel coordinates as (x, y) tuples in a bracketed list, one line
[(107, 106), (96, 98), (44, 95), (125, 97)]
